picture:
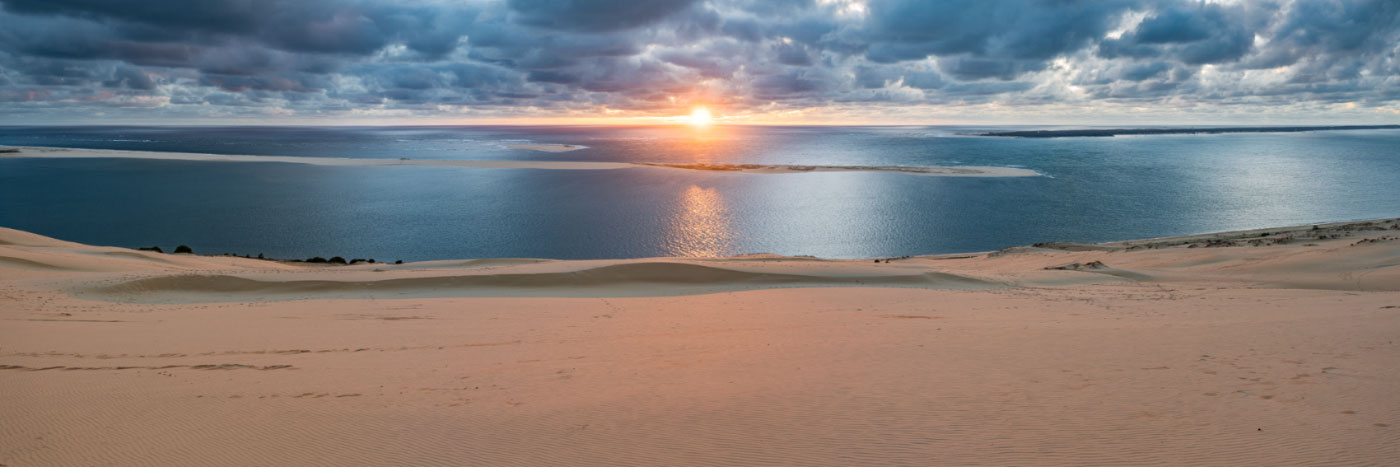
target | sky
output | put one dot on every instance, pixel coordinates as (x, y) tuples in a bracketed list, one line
[(1045, 62)]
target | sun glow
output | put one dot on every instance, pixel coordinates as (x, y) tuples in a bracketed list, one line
[(700, 117)]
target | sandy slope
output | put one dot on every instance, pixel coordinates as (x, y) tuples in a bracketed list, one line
[(1187, 351)]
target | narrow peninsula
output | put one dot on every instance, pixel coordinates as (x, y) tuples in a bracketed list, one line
[(1091, 132)]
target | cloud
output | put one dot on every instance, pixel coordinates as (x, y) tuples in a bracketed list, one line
[(540, 57), (909, 30), (594, 15), (1194, 34)]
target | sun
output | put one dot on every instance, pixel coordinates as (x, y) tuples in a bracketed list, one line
[(700, 117)]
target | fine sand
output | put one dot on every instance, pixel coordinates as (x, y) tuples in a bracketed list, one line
[(1268, 347), (74, 153)]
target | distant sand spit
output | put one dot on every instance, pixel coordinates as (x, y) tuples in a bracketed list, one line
[(1263, 347), (1110, 132), (965, 171), (76, 153), (548, 147)]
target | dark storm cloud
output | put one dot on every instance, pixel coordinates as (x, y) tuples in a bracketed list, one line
[(305, 25), (785, 85), (878, 76), (906, 30), (1143, 71), (1193, 34), (321, 57), (130, 77), (224, 16), (594, 15), (973, 68), (715, 62)]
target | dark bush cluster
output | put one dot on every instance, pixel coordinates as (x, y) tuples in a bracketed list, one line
[(316, 259)]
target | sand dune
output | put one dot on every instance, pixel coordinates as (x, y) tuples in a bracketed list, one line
[(76, 153), (646, 279), (12, 237), (464, 264), (1267, 347), (25, 263)]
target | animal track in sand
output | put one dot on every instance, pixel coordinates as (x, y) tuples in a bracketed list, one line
[(382, 317), (222, 366), (71, 320), (260, 352)]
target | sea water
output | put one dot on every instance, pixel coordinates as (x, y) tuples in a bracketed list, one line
[(1090, 190)]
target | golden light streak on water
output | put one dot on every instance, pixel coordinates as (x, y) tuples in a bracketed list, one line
[(699, 226)]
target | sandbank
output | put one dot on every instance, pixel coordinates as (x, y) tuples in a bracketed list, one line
[(75, 153), (960, 171), (548, 147)]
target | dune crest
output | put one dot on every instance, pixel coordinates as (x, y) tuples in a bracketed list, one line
[(632, 279)]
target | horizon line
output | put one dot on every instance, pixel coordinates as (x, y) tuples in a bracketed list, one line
[(684, 125)]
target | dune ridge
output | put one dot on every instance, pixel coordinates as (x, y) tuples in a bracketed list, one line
[(1360, 256), (622, 280)]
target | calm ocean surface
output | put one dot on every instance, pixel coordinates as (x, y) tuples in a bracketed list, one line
[(1094, 189)]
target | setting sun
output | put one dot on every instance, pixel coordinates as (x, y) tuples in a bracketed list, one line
[(700, 117)]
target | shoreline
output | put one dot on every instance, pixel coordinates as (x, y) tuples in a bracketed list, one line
[(79, 153)]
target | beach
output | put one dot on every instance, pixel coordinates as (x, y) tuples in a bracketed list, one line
[(699, 233), (1264, 347)]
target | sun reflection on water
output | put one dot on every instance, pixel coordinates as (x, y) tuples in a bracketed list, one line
[(699, 226)]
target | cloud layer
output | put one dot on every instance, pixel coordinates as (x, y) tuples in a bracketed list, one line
[(753, 60)]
